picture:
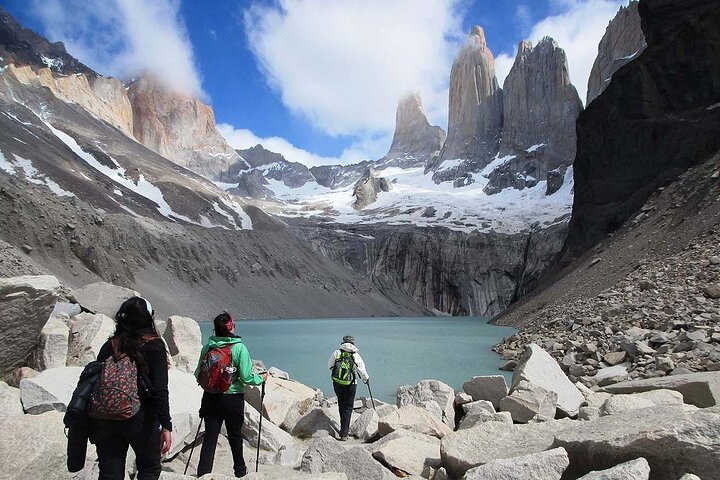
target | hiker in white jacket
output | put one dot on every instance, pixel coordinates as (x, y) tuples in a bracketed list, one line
[(345, 363)]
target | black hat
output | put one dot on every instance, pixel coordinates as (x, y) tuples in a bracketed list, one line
[(349, 339)]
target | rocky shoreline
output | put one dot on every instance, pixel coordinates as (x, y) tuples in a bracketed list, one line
[(544, 425)]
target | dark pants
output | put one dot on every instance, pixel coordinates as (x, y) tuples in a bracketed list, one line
[(112, 439), (346, 400), (218, 408)]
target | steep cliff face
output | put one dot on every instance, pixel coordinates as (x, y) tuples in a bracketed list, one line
[(659, 116), (179, 127), (540, 108), (476, 108), (415, 141), (623, 41)]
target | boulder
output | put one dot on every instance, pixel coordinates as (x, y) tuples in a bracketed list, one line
[(492, 388), (185, 397), (548, 465), (26, 304), (462, 398), (277, 373), (472, 419), (16, 377), (273, 439), (614, 358), (412, 418), (609, 375), (699, 389), (365, 426), (673, 439), (51, 390), (88, 333), (286, 401), (409, 454), (184, 341), (10, 404), (430, 391), (102, 297), (481, 406), (530, 402), (320, 421), (637, 469), (328, 455), (622, 403), (52, 352), (468, 448), (537, 367)]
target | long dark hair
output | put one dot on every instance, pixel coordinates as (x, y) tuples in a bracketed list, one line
[(220, 325), (133, 321)]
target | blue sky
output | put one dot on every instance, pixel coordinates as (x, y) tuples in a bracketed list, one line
[(317, 80)]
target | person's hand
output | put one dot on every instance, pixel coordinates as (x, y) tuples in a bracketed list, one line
[(264, 376), (366, 381), (165, 441)]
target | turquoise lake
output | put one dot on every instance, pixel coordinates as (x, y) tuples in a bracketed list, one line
[(397, 351)]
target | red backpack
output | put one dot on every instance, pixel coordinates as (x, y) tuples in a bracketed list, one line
[(115, 395), (216, 370)]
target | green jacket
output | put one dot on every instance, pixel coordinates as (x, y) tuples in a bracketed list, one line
[(240, 358)]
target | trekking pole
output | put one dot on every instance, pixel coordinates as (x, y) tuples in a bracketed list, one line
[(372, 400), (257, 456), (193, 446)]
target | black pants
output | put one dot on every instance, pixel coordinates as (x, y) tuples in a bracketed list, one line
[(346, 400), (112, 439), (218, 408)]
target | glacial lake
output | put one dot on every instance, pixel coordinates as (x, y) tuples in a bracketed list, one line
[(397, 351)]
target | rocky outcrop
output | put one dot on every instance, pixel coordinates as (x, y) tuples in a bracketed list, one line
[(540, 107), (338, 176), (622, 42), (367, 188), (103, 297), (657, 118), (272, 165), (476, 105), (179, 127), (415, 141)]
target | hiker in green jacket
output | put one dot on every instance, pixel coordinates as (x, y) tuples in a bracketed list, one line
[(223, 370)]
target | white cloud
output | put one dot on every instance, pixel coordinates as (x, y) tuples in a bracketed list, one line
[(577, 27), (344, 65), (124, 38), (367, 149)]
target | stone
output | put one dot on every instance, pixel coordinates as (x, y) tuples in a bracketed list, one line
[(673, 439), (88, 333), (277, 373), (480, 406), (440, 393), (712, 291), (16, 377), (365, 426), (409, 454), (537, 367), (470, 420), (103, 297), (699, 389), (286, 401), (50, 390), (10, 404), (530, 402), (624, 402), (273, 437), (328, 455), (492, 388), (689, 476), (608, 375), (184, 341), (52, 352), (319, 421), (614, 358), (26, 303), (548, 465), (412, 418), (185, 397), (637, 469), (714, 260), (462, 398)]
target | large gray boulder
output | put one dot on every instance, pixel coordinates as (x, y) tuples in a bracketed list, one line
[(699, 389), (537, 367), (51, 390), (472, 419), (480, 406), (637, 469), (10, 404), (622, 403), (409, 454), (88, 333), (530, 402), (26, 304), (673, 439), (548, 465), (185, 397), (184, 341), (465, 449), (430, 391), (286, 401), (365, 425), (52, 352), (273, 439), (412, 418), (319, 421), (328, 455), (103, 297), (489, 387)]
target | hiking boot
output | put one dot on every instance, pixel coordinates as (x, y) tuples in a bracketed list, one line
[(343, 439)]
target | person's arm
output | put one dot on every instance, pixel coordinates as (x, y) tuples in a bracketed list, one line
[(157, 362), (241, 359), (331, 361), (360, 364)]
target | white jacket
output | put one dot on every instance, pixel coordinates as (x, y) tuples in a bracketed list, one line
[(359, 364)]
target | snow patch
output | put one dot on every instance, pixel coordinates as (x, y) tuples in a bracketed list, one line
[(246, 222), (53, 63), (535, 147), (32, 174)]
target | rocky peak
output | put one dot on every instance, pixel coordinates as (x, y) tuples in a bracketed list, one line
[(623, 41), (179, 127), (415, 140), (367, 188), (259, 155), (475, 109)]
